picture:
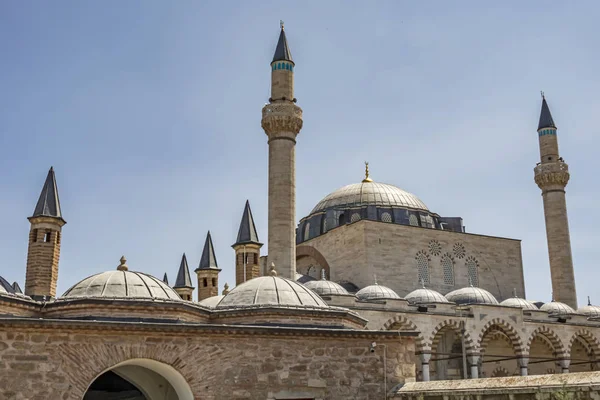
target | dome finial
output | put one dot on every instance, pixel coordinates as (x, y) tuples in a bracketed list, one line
[(281, 23), (514, 292), (589, 301), (122, 266), (273, 272), (367, 179), (225, 289), (422, 282), (323, 277)]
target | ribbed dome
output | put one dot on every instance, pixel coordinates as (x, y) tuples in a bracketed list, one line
[(425, 296), (556, 307), (589, 311), (271, 290), (325, 288), (519, 302), (211, 302), (123, 285), (369, 193), (376, 292), (471, 295)]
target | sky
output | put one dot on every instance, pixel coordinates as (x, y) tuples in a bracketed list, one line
[(150, 112)]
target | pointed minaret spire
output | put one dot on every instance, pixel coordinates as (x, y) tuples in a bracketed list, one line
[(208, 271), (282, 51), (546, 120), (247, 232), (208, 259), (183, 284), (18, 290), (48, 205), (165, 279)]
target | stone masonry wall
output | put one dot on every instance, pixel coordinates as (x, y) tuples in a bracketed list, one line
[(42, 362)]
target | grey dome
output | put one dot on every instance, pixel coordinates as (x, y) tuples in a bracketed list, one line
[(589, 311), (556, 307), (471, 295), (5, 287), (376, 292), (425, 296), (211, 302), (271, 290), (519, 302), (369, 193), (304, 278), (325, 288), (122, 284)]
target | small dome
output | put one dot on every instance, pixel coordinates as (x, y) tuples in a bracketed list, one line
[(425, 296), (589, 311), (211, 302), (471, 295), (556, 307), (304, 278), (376, 292), (324, 287), (519, 302), (369, 193), (122, 284), (271, 290)]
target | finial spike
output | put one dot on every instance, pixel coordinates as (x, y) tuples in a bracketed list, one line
[(470, 281), (323, 277), (281, 23), (589, 301), (273, 272), (375, 279), (542, 93), (367, 179), (122, 266), (422, 282), (514, 292)]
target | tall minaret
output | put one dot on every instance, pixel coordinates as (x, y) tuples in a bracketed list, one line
[(552, 175), (44, 243), (282, 121)]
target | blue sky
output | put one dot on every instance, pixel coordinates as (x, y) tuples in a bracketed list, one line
[(149, 112)]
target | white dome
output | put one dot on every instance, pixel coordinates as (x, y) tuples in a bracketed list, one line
[(325, 288), (271, 290), (369, 193), (425, 296), (211, 302), (123, 285), (376, 292), (556, 307), (471, 295), (589, 311), (519, 302)]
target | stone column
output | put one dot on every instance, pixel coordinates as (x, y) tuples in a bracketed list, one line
[(425, 357), (523, 362), (564, 364), (474, 360)]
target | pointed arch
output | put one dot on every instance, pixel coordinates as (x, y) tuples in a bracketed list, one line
[(589, 338), (498, 324), (432, 340), (400, 321), (551, 336), (309, 251)]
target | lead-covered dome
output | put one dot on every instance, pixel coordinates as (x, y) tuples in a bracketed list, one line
[(369, 193), (122, 285), (471, 295), (376, 292), (324, 287), (271, 290), (519, 302), (589, 311), (211, 302), (556, 307), (425, 296)]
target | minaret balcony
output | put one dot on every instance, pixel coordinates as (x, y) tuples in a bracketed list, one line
[(552, 175), (281, 117)]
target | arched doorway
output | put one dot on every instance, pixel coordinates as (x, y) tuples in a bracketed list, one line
[(447, 354), (139, 379)]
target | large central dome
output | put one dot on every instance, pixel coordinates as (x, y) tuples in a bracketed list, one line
[(367, 194)]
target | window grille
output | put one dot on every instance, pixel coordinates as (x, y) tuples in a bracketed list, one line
[(355, 217), (472, 271), (386, 217), (422, 267), (412, 220), (448, 269)]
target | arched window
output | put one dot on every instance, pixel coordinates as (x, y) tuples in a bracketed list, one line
[(423, 267), (306, 231), (386, 217), (472, 270), (412, 220), (323, 224), (355, 217), (342, 219), (448, 269)]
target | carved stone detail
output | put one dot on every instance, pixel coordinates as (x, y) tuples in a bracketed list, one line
[(281, 117), (552, 174)]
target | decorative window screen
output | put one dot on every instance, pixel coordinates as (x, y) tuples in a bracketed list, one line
[(386, 217), (355, 217), (448, 269), (412, 220), (423, 267), (472, 270)]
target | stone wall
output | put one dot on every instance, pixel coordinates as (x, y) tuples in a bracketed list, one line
[(365, 250), (50, 360)]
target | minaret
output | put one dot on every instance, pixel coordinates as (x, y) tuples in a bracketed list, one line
[(44, 243), (282, 121), (208, 271), (183, 284), (247, 249), (552, 175)]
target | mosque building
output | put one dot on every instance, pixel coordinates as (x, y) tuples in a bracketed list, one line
[(370, 291)]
